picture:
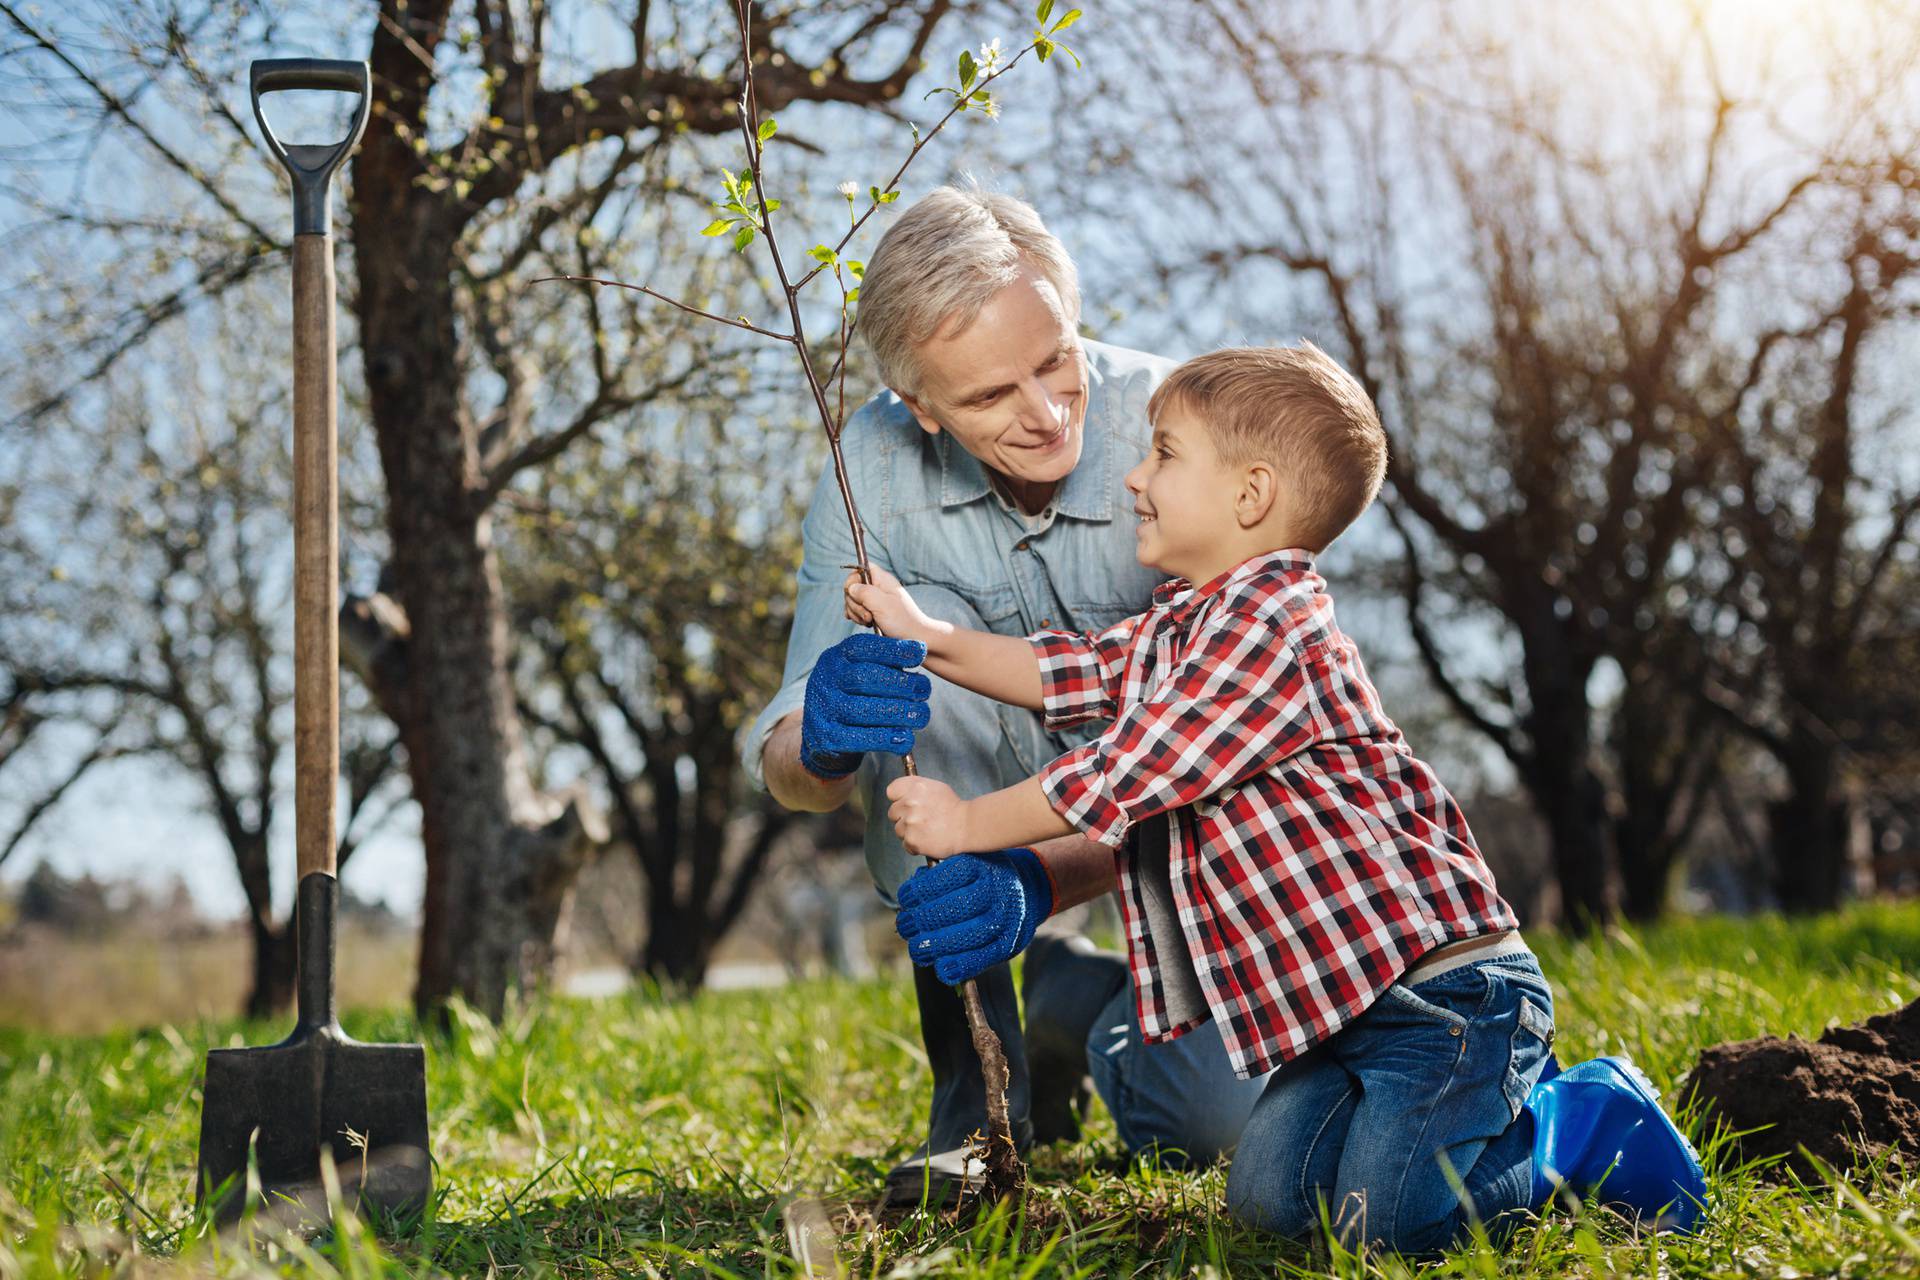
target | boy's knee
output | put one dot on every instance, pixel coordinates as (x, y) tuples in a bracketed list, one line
[(1258, 1197)]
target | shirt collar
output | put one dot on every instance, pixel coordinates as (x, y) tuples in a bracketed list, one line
[(1249, 580), (1086, 493)]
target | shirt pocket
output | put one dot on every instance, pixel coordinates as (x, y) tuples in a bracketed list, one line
[(949, 550)]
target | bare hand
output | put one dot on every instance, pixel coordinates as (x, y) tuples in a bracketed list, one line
[(928, 817), (885, 604)]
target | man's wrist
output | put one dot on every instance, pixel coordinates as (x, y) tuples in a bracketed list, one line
[(828, 766)]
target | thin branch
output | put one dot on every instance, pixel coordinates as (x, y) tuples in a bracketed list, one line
[(117, 106), (672, 302)]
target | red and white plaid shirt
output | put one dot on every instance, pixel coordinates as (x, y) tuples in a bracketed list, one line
[(1313, 859)]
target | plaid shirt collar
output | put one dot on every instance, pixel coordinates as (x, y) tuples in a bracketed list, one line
[(1245, 583)]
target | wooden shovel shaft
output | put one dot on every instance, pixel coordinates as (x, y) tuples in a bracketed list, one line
[(316, 556)]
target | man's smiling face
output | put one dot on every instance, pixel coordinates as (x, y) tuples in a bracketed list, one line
[(1011, 387)]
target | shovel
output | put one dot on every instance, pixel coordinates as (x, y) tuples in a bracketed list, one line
[(284, 1112)]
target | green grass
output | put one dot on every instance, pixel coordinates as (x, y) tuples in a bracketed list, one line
[(638, 1137)]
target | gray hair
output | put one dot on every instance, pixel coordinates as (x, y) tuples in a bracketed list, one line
[(941, 261)]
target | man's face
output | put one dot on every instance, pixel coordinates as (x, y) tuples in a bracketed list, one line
[(1183, 497), (1011, 387)]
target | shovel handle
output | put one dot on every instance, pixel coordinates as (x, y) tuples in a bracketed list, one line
[(316, 557), (311, 167)]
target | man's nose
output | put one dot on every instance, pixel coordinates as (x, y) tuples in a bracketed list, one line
[(1042, 406)]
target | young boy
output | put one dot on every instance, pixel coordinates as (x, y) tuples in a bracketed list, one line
[(1287, 865)]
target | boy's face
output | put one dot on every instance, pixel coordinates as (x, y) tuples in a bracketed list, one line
[(1184, 498)]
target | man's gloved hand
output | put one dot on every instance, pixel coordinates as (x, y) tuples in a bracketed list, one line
[(860, 698), (973, 911)]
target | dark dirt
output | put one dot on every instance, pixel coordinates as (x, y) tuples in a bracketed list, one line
[(1850, 1097)]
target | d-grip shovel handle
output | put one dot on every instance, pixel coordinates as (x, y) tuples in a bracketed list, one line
[(316, 529), (311, 167)]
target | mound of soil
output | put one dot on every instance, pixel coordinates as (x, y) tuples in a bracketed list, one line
[(1850, 1097)]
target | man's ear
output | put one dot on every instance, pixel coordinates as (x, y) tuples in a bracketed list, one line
[(1259, 490), (928, 423)]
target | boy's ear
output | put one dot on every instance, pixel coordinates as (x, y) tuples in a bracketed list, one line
[(1259, 490), (928, 423)]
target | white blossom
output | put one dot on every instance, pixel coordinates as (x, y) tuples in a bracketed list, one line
[(849, 189), (989, 56), (992, 107)]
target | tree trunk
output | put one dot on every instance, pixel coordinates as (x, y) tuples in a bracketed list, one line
[(500, 863), (1807, 831), (1559, 771), (273, 969), (679, 946)]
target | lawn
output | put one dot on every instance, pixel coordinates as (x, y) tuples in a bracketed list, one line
[(641, 1137)]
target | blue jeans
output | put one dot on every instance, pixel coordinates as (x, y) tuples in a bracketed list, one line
[(1179, 1099), (1407, 1123)]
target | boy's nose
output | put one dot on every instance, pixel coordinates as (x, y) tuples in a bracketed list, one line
[(1134, 480)]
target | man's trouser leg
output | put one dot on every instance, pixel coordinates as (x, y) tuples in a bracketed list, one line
[(1179, 1099), (964, 746)]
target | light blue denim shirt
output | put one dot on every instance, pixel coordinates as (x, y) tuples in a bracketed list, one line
[(932, 518)]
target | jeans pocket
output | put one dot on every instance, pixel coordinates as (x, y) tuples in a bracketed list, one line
[(1532, 1042), (1404, 996)]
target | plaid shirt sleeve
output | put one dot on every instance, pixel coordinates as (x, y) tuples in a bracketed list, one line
[(1080, 675), (1236, 702)]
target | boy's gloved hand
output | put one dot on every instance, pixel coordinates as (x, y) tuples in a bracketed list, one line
[(973, 911), (860, 698)]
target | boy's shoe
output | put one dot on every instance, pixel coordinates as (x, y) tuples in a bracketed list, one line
[(1064, 985), (1599, 1130)]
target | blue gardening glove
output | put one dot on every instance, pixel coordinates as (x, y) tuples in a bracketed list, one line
[(973, 911), (860, 698)]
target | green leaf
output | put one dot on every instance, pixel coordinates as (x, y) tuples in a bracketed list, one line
[(1078, 65), (968, 70), (718, 227), (1073, 16), (882, 197), (742, 238), (857, 268), (853, 295), (768, 125), (1040, 14), (821, 253), (1043, 47), (769, 207)]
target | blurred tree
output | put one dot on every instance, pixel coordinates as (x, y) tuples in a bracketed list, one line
[(656, 603), (505, 142), (1546, 239), (1817, 518), (152, 556)]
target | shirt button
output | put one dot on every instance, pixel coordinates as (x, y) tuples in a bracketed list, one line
[(1046, 622), (1453, 1031), (1020, 545)]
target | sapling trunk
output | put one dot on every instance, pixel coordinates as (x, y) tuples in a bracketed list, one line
[(747, 215)]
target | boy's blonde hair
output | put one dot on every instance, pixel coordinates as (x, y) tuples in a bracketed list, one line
[(1294, 407)]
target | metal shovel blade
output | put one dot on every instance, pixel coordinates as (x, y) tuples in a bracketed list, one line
[(317, 1092), (364, 1104)]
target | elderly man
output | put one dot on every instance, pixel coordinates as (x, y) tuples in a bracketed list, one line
[(989, 480)]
